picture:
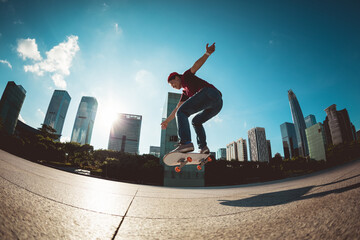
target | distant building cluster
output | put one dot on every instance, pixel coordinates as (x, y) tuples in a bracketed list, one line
[(303, 137), (124, 135)]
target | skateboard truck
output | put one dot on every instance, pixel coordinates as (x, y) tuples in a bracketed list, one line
[(182, 162), (203, 162)]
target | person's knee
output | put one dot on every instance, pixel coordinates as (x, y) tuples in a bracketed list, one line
[(181, 112), (196, 122)]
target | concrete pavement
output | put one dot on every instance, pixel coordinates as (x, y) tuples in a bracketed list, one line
[(38, 202)]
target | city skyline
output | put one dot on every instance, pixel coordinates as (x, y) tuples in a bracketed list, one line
[(122, 52)]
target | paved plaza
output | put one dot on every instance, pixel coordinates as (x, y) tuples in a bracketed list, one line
[(39, 202)]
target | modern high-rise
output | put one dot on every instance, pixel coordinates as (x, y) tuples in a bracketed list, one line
[(310, 120), (10, 106), (242, 150), (189, 175), (316, 141), (299, 123), (289, 140), (56, 113), (125, 133), (339, 124), (258, 148), (221, 154), (84, 121), (231, 151), (169, 136)]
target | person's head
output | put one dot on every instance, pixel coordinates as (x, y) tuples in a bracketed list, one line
[(174, 80)]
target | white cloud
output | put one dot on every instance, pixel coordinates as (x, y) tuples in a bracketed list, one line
[(6, 62), (58, 61), (217, 119), (27, 48)]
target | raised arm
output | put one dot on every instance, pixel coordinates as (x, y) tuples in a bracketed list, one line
[(197, 65)]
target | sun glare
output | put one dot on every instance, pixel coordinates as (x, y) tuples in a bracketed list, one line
[(107, 116)]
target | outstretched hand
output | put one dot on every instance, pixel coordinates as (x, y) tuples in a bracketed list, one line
[(210, 49)]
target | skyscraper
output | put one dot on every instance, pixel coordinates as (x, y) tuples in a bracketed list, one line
[(189, 175), (316, 141), (84, 121), (231, 151), (221, 154), (310, 120), (289, 140), (125, 133), (242, 150), (169, 135), (10, 106), (56, 113), (258, 148), (339, 124), (299, 123)]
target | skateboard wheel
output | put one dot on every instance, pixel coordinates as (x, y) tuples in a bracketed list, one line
[(189, 159), (209, 159), (177, 169), (198, 167)]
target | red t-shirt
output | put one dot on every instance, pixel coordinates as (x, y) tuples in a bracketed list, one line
[(192, 84)]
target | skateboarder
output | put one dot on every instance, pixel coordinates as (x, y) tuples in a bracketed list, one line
[(198, 96)]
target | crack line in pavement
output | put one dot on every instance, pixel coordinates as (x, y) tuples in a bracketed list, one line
[(122, 220), (66, 204)]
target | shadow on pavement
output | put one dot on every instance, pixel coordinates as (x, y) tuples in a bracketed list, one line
[(287, 196)]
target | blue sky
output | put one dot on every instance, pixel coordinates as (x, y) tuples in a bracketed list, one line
[(121, 52)]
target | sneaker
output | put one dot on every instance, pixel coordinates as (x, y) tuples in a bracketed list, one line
[(205, 150), (184, 148)]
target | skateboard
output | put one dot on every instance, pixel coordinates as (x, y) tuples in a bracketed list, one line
[(181, 159)]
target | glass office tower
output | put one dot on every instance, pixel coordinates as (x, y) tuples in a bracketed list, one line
[(10, 106), (125, 133), (299, 122), (289, 140), (310, 120), (84, 121), (56, 113)]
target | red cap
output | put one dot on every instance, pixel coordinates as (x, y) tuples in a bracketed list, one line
[(172, 76)]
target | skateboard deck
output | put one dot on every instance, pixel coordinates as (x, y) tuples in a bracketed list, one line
[(181, 159)]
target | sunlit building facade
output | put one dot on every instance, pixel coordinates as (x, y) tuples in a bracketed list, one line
[(125, 133), (316, 139), (56, 113), (231, 151), (84, 121), (10, 106), (242, 150), (258, 148)]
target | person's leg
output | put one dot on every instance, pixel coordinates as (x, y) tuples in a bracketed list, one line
[(201, 118), (193, 105)]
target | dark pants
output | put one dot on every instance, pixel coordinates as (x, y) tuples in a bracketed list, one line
[(209, 102)]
